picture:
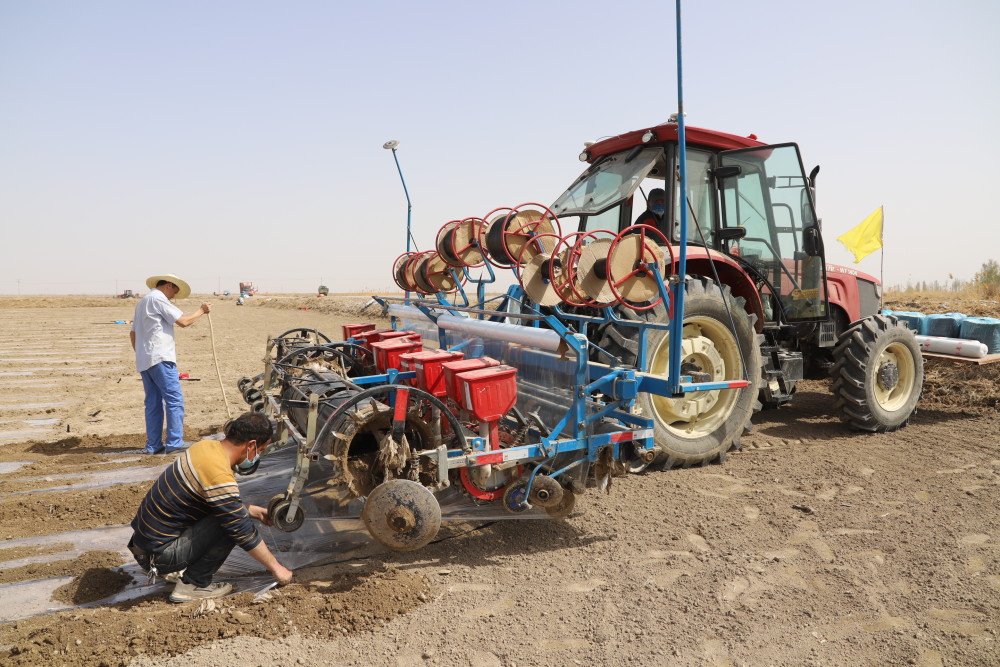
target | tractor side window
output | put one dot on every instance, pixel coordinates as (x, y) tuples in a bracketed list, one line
[(701, 212), (769, 198), (607, 220)]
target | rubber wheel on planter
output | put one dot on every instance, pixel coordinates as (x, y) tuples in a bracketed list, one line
[(878, 374), (279, 517)]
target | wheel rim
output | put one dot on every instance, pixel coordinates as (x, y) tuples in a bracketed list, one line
[(712, 348), (895, 375)]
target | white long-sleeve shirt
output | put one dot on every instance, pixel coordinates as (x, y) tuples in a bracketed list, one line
[(153, 325)]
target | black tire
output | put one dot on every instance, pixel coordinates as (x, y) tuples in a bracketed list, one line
[(878, 374), (702, 427)]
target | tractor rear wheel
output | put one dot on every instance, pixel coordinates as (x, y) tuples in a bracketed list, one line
[(878, 374), (720, 341)]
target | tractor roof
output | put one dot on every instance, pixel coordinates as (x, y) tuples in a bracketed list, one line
[(696, 136)]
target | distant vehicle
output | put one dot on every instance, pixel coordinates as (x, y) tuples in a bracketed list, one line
[(323, 290), (247, 289), (127, 294)]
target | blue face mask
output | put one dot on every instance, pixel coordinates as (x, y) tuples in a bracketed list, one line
[(658, 209), (246, 464)]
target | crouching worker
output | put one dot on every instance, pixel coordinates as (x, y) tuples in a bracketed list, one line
[(192, 517)]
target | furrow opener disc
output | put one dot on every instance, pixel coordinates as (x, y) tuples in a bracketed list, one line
[(402, 514)]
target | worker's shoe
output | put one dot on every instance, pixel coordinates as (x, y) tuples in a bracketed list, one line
[(173, 577), (179, 448), (187, 592)]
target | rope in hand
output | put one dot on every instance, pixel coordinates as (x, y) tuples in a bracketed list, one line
[(211, 329)]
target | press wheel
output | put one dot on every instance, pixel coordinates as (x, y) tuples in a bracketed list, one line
[(277, 511)]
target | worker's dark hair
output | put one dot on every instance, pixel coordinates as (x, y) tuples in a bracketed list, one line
[(249, 426), (160, 283), (657, 193)]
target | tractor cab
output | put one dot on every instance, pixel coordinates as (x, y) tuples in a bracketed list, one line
[(751, 217)]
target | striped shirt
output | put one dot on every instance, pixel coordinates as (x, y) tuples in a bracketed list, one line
[(199, 483)]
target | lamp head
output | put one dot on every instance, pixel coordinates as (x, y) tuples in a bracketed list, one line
[(391, 144)]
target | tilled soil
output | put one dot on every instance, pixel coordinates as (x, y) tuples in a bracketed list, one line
[(813, 545)]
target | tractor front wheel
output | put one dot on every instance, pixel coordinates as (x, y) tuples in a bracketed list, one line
[(878, 374)]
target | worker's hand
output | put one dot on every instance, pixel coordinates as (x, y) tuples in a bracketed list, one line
[(206, 307), (282, 574), (259, 513)]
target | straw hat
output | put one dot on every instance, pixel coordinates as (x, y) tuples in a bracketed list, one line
[(185, 289)]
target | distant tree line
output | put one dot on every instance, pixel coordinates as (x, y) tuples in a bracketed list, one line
[(986, 283)]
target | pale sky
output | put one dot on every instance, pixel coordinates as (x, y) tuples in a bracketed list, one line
[(226, 141)]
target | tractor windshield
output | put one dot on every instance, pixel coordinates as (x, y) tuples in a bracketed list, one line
[(769, 197), (608, 181)]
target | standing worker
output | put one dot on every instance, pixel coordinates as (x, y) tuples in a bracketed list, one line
[(156, 358), (193, 516)]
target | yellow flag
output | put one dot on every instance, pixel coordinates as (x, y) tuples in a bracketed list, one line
[(866, 238)]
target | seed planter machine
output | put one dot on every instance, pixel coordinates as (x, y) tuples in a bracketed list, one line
[(507, 400)]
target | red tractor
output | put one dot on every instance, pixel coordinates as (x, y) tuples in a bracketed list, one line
[(761, 303)]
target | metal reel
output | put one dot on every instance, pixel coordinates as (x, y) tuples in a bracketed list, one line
[(415, 273), (402, 514), (562, 270), (521, 236), (436, 272), (591, 273), (491, 237), (630, 278), (399, 271), (535, 274), (465, 242), (443, 243)]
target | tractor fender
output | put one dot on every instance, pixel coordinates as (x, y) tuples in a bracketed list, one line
[(700, 262)]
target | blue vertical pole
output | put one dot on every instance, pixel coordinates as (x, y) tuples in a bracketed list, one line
[(409, 206), (409, 210), (679, 287)]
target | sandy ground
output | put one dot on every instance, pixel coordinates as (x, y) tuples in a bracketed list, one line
[(814, 545)]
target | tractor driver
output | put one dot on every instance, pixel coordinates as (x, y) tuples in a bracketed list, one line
[(193, 516), (656, 206)]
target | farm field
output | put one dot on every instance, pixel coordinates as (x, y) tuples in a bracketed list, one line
[(815, 544)]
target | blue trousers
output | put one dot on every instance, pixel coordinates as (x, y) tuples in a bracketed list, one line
[(163, 394), (202, 548)]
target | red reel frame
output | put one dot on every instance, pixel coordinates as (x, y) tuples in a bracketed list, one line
[(574, 257), (521, 259), (443, 244), (527, 230), (398, 266), (427, 274), (564, 288), (475, 231), (484, 232), (641, 266), (409, 273)]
